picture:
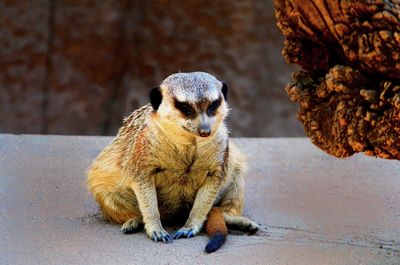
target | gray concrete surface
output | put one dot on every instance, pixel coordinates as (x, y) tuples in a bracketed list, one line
[(313, 208)]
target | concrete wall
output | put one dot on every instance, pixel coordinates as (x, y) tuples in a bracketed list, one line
[(78, 67)]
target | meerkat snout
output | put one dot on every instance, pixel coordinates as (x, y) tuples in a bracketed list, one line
[(204, 129)]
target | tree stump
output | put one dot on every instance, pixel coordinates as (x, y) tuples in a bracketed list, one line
[(349, 91)]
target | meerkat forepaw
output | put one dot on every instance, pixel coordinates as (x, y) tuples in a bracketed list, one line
[(160, 235), (186, 232)]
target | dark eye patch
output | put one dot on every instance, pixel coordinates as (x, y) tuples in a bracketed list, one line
[(212, 108), (186, 109)]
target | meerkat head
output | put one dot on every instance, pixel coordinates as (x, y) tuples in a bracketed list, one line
[(191, 102)]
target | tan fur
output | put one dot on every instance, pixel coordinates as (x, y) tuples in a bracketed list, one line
[(153, 170)]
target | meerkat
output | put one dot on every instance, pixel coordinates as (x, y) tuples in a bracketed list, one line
[(173, 156)]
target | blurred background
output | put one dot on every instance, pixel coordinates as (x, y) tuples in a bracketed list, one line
[(79, 67)]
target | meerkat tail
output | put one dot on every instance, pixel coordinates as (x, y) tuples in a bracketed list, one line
[(216, 229)]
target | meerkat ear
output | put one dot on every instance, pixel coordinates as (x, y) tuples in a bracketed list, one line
[(224, 90), (155, 98)]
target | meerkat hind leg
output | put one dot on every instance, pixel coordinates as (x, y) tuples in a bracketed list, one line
[(241, 223), (232, 208), (133, 225), (120, 205), (233, 200)]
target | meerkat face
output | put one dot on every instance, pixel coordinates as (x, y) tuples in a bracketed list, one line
[(191, 102)]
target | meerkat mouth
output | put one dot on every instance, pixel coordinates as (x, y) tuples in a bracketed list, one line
[(195, 134)]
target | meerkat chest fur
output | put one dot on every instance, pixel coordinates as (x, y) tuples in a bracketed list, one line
[(182, 166)]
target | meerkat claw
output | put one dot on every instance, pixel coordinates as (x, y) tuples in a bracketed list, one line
[(180, 234), (168, 239), (161, 236), (188, 233)]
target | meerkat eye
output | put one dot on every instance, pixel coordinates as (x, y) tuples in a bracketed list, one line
[(212, 108), (185, 108)]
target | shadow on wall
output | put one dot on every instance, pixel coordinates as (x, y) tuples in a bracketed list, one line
[(78, 67)]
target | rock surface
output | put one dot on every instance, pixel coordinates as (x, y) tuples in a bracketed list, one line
[(313, 208)]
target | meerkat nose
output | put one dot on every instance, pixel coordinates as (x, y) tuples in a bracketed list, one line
[(204, 132)]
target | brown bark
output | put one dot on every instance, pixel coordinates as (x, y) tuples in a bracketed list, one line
[(349, 93)]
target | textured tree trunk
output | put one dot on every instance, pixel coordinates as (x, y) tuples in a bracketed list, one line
[(349, 93)]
